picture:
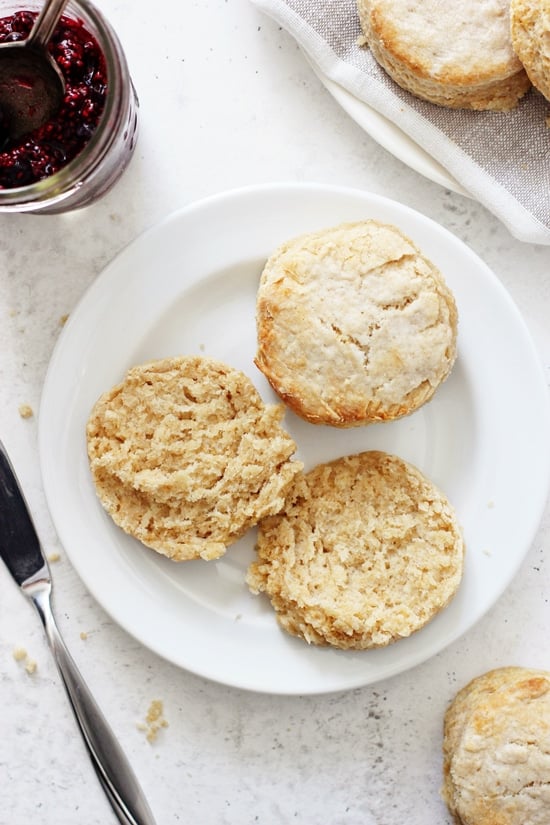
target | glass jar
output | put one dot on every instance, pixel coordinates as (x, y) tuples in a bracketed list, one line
[(105, 156)]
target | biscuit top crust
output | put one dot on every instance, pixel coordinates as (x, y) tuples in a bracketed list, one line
[(497, 749), (354, 324), (454, 43)]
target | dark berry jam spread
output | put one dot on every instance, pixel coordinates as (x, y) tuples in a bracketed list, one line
[(40, 153)]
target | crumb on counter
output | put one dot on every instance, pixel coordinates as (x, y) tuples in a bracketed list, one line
[(154, 721), (25, 411), (21, 655), (83, 635), (63, 320), (53, 557)]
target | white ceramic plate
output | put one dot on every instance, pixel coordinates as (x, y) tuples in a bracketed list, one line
[(390, 136), (188, 286)]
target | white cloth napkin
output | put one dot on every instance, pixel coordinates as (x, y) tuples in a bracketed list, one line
[(501, 159)]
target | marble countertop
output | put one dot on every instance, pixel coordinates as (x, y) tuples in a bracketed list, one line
[(227, 100)]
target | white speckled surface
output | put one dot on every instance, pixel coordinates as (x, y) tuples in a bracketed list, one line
[(227, 100)]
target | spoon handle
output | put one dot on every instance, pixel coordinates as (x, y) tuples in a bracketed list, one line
[(111, 766), (44, 25)]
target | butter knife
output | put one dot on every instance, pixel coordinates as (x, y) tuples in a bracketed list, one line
[(22, 554)]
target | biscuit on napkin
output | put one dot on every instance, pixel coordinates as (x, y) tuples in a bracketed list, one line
[(457, 55)]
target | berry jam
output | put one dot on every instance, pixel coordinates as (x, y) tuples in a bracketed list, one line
[(45, 150)]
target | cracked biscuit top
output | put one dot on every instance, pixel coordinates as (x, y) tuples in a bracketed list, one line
[(354, 325)]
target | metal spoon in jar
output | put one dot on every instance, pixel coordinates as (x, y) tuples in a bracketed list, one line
[(31, 83)]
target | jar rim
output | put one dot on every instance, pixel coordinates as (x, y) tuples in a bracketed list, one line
[(59, 186)]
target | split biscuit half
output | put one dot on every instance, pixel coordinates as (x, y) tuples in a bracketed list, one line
[(354, 324), (457, 55), (366, 552), (186, 457), (496, 749)]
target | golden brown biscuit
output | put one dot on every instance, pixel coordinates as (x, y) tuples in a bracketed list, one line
[(530, 27), (186, 457), (457, 55), (496, 749), (354, 325), (366, 552)]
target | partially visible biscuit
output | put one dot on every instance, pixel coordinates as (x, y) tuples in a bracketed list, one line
[(366, 552), (496, 749), (354, 325), (530, 28), (186, 457), (457, 55)]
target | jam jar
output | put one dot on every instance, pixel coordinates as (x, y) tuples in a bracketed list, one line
[(81, 152)]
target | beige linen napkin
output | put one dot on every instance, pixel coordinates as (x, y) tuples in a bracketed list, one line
[(501, 159)]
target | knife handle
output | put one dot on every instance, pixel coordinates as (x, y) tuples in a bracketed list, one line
[(110, 763)]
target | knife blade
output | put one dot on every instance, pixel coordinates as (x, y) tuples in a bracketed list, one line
[(21, 551), (16, 529)]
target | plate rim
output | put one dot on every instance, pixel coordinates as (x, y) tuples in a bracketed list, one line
[(388, 135), (205, 204)]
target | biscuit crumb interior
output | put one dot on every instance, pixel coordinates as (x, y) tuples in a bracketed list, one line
[(186, 457), (366, 552)]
